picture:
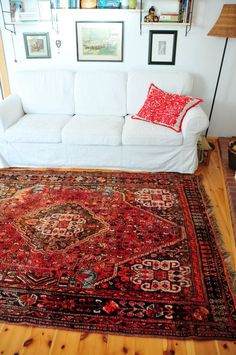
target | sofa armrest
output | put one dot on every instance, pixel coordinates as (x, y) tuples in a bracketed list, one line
[(194, 123), (10, 111)]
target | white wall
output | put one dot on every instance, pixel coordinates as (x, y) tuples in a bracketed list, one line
[(196, 53)]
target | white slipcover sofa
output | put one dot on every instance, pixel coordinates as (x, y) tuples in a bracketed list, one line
[(83, 119)]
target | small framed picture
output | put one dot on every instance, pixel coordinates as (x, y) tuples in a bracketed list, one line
[(99, 41), (37, 45), (162, 47)]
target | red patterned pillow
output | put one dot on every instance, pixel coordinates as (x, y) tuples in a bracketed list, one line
[(165, 109)]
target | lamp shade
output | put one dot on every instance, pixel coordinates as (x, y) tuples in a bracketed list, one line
[(225, 26)]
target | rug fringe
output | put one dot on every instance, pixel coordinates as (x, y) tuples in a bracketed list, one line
[(219, 237)]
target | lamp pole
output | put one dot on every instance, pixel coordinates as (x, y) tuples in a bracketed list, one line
[(218, 79)]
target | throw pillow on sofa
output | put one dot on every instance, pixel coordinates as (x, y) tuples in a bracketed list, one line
[(165, 109)]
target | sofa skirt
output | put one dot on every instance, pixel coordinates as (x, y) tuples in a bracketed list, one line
[(181, 158)]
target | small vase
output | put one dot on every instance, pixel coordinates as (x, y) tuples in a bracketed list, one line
[(132, 4), (124, 4), (88, 4)]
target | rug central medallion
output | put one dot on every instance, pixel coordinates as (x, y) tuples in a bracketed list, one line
[(59, 227)]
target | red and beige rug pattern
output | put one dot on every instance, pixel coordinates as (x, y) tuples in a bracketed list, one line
[(116, 252)]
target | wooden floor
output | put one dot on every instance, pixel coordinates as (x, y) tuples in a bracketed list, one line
[(19, 340)]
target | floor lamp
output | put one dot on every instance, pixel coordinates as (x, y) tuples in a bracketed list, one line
[(225, 27)]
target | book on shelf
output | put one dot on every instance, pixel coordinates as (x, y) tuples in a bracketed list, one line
[(180, 19), (186, 10), (65, 4), (75, 4), (185, 7), (171, 17), (189, 7)]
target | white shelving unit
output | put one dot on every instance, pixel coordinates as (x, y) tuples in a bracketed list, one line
[(32, 12), (40, 11), (189, 9)]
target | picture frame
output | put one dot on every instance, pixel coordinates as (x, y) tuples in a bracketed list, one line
[(162, 47), (99, 41), (37, 45)]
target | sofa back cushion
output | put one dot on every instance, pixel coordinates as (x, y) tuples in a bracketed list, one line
[(47, 92), (139, 81), (100, 93)]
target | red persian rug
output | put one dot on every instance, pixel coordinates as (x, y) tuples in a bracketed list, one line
[(124, 253)]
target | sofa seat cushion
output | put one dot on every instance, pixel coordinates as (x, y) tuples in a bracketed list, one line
[(93, 130), (37, 128), (137, 132)]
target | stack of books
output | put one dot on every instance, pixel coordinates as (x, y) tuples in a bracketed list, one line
[(164, 17)]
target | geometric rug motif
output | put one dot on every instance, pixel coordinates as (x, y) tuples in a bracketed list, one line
[(114, 252)]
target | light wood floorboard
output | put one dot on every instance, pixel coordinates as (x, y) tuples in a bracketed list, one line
[(19, 340)]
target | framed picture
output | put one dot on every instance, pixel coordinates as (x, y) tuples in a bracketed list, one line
[(99, 41), (37, 45), (162, 47)]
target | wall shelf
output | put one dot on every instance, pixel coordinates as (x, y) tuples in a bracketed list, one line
[(97, 10), (10, 26), (188, 13), (153, 24)]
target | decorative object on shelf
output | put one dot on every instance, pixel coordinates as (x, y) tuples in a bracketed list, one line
[(151, 17), (224, 27), (108, 4), (16, 6), (58, 44), (124, 4), (37, 45), (162, 47), (99, 41), (88, 4), (232, 154), (132, 4)]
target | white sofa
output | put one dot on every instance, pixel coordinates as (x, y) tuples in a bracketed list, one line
[(83, 119)]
